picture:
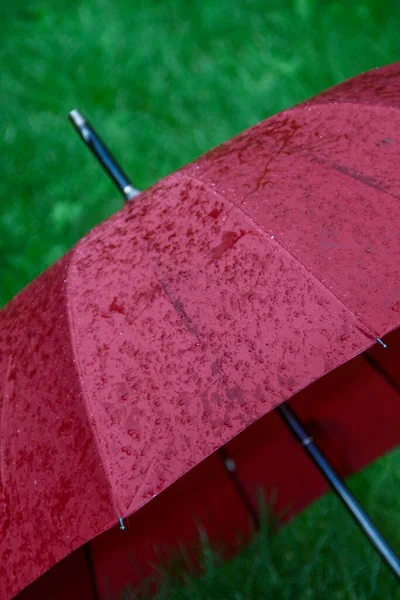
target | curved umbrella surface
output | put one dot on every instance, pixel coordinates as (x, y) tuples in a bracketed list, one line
[(222, 291)]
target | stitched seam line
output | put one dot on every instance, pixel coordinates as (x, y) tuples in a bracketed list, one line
[(279, 243), (86, 401)]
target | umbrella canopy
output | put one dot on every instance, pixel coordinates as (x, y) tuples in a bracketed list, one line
[(222, 291)]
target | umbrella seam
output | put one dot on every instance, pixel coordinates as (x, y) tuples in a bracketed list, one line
[(374, 333), (86, 400), (287, 111)]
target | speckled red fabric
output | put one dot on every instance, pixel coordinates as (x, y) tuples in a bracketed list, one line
[(219, 293), (51, 475)]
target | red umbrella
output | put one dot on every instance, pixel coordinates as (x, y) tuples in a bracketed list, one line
[(265, 270)]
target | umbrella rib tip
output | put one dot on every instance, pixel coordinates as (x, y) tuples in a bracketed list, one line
[(381, 342)]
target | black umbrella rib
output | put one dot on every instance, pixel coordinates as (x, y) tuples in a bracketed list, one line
[(91, 571), (382, 372), (230, 468)]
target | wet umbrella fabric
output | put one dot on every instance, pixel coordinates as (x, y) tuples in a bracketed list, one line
[(223, 290)]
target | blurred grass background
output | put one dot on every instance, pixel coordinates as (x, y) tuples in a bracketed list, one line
[(163, 82)]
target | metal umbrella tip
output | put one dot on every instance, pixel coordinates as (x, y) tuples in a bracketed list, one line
[(381, 342), (77, 118)]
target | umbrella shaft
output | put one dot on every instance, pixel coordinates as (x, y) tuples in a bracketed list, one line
[(338, 485), (103, 155), (106, 159)]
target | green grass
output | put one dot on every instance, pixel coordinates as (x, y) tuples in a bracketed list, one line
[(164, 82), (320, 555)]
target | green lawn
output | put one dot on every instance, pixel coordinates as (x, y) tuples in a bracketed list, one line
[(320, 555), (163, 82)]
